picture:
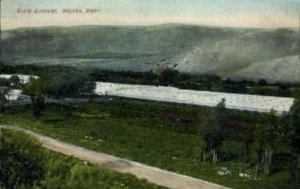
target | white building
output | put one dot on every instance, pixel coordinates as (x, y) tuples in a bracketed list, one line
[(256, 103)]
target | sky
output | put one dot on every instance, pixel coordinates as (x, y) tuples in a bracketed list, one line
[(229, 13)]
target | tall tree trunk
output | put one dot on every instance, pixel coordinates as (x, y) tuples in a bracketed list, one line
[(245, 157), (262, 159), (215, 157), (204, 156), (256, 170), (268, 160)]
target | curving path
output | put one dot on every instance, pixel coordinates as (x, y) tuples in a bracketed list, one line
[(152, 174)]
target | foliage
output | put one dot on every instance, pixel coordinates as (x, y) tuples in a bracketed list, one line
[(293, 139), (212, 131), (3, 92), (170, 77), (268, 135), (25, 164), (294, 126), (4, 82), (72, 83), (20, 166), (169, 136), (37, 90), (15, 80)]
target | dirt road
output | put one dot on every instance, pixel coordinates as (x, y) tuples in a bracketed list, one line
[(152, 174)]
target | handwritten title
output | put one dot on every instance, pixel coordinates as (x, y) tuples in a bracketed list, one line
[(56, 11)]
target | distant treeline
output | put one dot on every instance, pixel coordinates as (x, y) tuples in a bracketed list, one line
[(167, 77)]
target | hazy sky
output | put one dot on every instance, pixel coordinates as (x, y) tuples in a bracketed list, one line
[(233, 13)]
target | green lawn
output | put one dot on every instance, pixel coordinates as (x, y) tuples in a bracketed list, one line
[(144, 132), (25, 164)]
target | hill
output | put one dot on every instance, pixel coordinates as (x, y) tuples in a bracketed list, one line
[(228, 52)]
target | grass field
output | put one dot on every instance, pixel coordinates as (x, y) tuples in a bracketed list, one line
[(144, 132)]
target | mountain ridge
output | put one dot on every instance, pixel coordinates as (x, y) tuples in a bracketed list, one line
[(187, 48)]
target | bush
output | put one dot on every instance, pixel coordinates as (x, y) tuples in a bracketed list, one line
[(25, 164)]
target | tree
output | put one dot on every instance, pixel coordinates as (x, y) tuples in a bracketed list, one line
[(4, 88), (293, 138), (3, 92), (248, 140), (262, 82), (268, 137), (212, 131), (70, 84), (37, 90), (168, 77), (15, 80), (294, 126)]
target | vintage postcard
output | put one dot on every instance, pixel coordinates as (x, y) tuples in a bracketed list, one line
[(133, 94)]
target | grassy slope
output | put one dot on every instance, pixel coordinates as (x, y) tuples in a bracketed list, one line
[(286, 67), (192, 49), (22, 153), (139, 134), (112, 55)]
